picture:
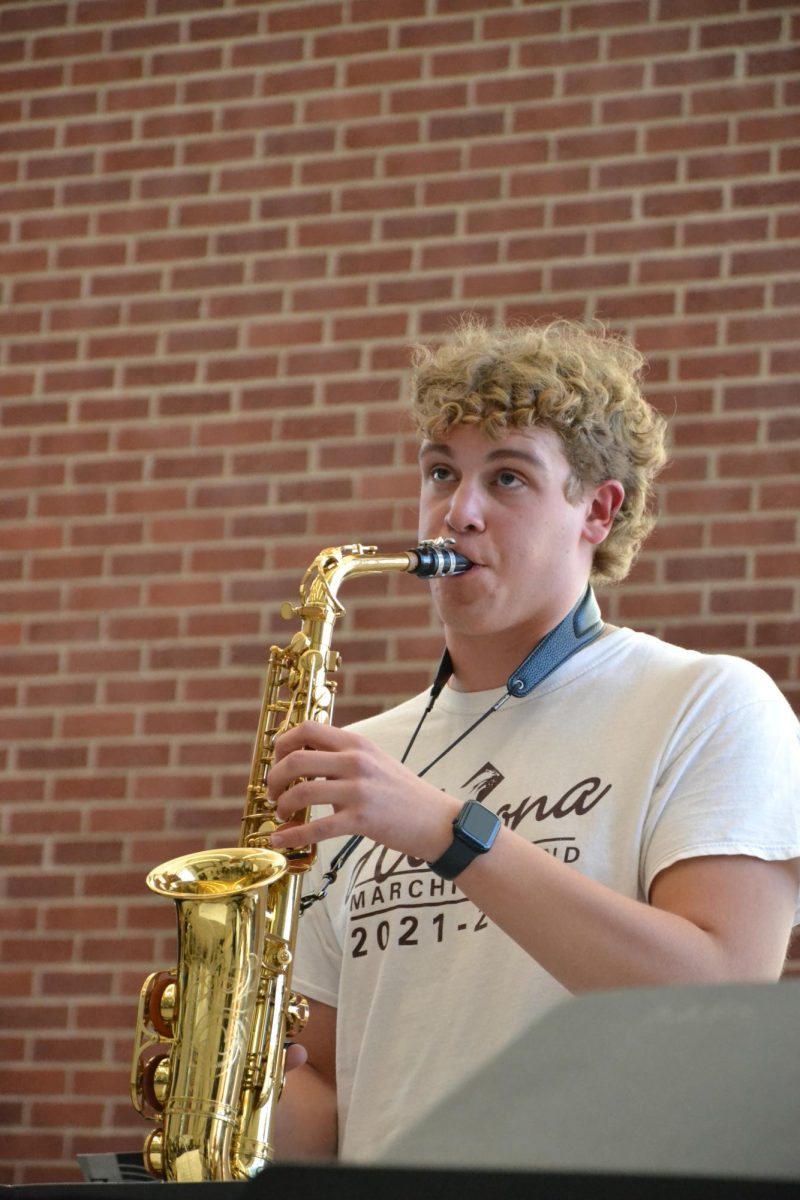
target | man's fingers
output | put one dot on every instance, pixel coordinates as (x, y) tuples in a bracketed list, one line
[(310, 734), (304, 835), (295, 1056)]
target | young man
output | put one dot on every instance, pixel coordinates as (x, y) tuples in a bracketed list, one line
[(638, 820)]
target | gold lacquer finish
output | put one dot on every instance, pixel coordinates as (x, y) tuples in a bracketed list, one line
[(223, 910), (208, 1063)]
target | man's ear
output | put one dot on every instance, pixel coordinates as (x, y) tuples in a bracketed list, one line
[(603, 504)]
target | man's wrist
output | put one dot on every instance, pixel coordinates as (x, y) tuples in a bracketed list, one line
[(474, 832)]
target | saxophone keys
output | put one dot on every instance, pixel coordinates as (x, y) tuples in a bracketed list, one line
[(154, 1153), (161, 1002), (156, 1078), (311, 661), (297, 1014), (299, 644), (277, 956)]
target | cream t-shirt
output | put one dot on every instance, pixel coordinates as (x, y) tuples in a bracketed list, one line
[(633, 755)]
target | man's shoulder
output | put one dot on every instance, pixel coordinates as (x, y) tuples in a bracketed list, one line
[(658, 662)]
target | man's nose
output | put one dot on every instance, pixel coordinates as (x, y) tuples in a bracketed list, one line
[(466, 510)]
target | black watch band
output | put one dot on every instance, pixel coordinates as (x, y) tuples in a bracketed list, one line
[(474, 831)]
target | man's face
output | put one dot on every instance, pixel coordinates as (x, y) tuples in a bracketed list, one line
[(504, 501)]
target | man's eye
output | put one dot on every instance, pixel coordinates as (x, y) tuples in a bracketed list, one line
[(440, 474), (508, 479)]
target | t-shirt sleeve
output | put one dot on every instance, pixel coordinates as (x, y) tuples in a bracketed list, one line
[(730, 783)]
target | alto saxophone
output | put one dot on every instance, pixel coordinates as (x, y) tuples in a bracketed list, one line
[(208, 1061)]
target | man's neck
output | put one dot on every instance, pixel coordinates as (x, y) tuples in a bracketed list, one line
[(483, 663)]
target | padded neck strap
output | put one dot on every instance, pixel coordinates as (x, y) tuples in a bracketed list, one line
[(580, 626)]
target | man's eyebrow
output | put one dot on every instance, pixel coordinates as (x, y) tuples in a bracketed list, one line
[(529, 456), (434, 448), (502, 452)]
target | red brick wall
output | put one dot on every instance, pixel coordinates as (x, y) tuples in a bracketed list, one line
[(222, 226)]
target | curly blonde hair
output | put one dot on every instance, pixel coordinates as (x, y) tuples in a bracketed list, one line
[(581, 382)]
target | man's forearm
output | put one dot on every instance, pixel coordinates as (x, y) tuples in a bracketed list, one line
[(709, 920), (306, 1121)]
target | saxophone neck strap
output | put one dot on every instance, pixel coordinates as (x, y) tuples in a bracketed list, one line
[(580, 626)]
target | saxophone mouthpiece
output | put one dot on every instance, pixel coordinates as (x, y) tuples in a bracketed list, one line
[(435, 559)]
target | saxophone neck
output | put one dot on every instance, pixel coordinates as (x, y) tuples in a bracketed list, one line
[(333, 566), (323, 579)]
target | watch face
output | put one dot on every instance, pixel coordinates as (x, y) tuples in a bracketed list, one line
[(479, 824)]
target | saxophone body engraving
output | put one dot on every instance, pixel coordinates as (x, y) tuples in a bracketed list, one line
[(208, 1061)]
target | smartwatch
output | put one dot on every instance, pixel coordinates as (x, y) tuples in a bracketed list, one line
[(474, 831)]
